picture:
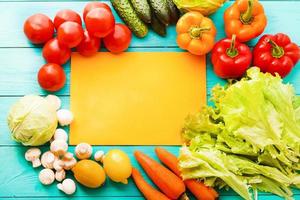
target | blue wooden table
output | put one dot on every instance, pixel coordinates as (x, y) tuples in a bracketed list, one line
[(20, 61)]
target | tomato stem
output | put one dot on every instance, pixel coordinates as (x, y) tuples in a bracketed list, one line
[(247, 17), (196, 32), (232, 51), (277, 51)]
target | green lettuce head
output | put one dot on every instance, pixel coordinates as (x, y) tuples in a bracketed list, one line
[(32, 120)]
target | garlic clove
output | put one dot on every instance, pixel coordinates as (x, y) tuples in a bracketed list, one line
[(65, 117)]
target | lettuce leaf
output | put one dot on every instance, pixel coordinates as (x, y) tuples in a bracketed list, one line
[(208, 163), (250, 136)]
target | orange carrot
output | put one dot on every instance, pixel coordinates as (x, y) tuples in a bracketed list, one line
[(146, 189), (170, 184), (199, 190)]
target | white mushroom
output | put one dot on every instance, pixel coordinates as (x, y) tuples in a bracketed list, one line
[(68, 186), (68, 156), (60, 134), (46, 176), (48, 159), (33, 155), (64, 116), (58, 164), (59, 147), (54, 101), (99, 155), (69, 164), (83, 151), (60, 175)]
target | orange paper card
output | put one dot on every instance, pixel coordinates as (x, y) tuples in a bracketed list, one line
[(135, 98)]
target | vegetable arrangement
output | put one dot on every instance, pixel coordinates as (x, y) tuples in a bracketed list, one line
[(169, 181), (249, 139), (244, 20), (33, 120), (99, 23)]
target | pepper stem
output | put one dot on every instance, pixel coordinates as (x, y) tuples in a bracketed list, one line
[(196, 32), (277, 51), (247, 17), (232, 51)]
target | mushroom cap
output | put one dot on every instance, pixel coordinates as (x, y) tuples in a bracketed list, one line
[(68, 186), (60, 175), (32, 154), (83, 150), (48, 159), (99, 155), (54, 101), (60, 134), (59, 147), (64, 116), (46, 176)]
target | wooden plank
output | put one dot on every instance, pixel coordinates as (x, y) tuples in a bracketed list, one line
[(19, 179), (11, 33), (24, 64)]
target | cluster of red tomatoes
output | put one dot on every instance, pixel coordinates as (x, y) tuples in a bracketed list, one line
[(100, 25)]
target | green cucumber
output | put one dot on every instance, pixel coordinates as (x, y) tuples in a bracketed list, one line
[(161, 10), (173, 11), (157, 26), (129, 16), (142, 9)]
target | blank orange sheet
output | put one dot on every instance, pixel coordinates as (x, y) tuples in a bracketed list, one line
[(134, 98)]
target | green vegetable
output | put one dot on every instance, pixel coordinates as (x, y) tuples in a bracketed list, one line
[(127, 13), (32, 120), (249, 138), (206, 7), (173, 11), (157, 26), (142, 9), (161, 10)]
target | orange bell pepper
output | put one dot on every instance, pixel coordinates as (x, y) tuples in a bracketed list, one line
[(196, 33), (246, 19)]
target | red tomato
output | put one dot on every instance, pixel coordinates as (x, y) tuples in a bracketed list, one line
[(90, 6), (55, 53), (119, 40), (99, 22), (69, 34), (51, 77), (89, 45), (38, 28), (66, 15)]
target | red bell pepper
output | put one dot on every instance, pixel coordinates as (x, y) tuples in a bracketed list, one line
[(276, 54), (230, 58)]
